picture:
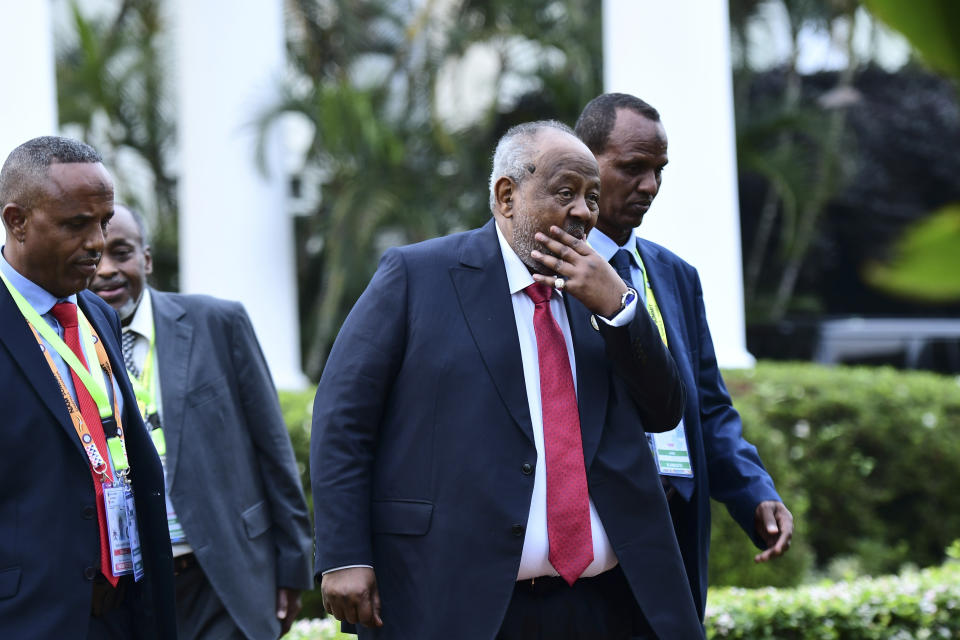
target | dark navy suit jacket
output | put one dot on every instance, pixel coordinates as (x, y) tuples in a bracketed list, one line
[(421, 434), (49, 539), (726, 467)]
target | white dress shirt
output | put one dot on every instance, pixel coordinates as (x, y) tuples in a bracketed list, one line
[(535, 559)]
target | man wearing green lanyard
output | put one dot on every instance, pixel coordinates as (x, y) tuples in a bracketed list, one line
[(236, 512), (706, 456), (83, 550)]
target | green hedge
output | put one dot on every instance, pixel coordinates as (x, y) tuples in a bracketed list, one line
[(913, 605), (867, 458)]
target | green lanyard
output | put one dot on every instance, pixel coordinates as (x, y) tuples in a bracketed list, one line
[(144, 387), (95, 385), (652, 308)]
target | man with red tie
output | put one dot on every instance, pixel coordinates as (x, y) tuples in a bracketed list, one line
[(478, 462), (83, 546)]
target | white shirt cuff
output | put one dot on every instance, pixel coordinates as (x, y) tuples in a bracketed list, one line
[(625, 317), (348, 566)]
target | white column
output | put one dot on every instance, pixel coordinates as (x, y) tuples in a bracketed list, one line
[(29, 105), (236, 238), (676, 56)]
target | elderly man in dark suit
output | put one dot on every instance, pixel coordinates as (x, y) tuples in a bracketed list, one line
[(706, 456), (83, 545), (236, 512), (478, 453)]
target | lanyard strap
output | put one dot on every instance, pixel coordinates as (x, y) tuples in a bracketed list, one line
[(145, 387), (97, 391), (652, 307), (119, 450)]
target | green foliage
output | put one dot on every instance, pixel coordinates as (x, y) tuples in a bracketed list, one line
[(297, 407), (111, 92), (866, 458), (316, 629), (913, 605), (931, 26), (927, 264), (390, 165)]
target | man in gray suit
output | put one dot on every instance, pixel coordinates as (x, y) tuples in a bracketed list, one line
[(235, 506)]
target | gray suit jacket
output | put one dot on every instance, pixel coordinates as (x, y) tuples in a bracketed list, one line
[(232, 475)]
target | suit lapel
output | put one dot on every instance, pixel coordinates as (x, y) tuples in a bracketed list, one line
[(19, 341), (592, 376), (482, 290), (174, 339)]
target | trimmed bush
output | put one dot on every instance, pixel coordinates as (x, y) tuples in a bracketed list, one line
[(914, 605), (867, 458)]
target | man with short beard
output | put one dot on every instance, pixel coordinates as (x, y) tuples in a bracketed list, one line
[(478, 450), (236, 514)]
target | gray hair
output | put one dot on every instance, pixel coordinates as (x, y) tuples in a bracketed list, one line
[(513, 156), (25, 169)]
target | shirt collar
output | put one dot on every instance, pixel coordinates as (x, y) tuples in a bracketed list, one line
[(606, 247), (36, 296), (142, 321)]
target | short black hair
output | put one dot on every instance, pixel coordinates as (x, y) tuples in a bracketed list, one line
[(598, 117), (25, 169)]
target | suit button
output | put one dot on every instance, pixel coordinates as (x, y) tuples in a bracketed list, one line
[(90, 573), (89, 513), (527, 468), (517, 530)]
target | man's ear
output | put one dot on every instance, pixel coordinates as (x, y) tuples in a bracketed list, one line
[(147, 260), (15, 220), (505, 189)]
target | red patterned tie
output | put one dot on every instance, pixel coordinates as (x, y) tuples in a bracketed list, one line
[(568, 502), (66, 315)]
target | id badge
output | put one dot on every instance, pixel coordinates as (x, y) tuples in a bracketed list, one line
[(173, 525), (136, 553), (671, 453), (118, 530)]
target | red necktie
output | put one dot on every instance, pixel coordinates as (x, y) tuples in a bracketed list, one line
[(568, 502), (66, 315)]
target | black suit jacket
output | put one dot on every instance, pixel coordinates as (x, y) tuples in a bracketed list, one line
[(421, 432), (49, 538)]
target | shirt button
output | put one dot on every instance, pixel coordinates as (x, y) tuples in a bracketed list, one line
[(527, 468), (90, 573), (517, 530), (89, 513)]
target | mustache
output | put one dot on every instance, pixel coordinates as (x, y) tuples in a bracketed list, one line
[(577, 229)]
